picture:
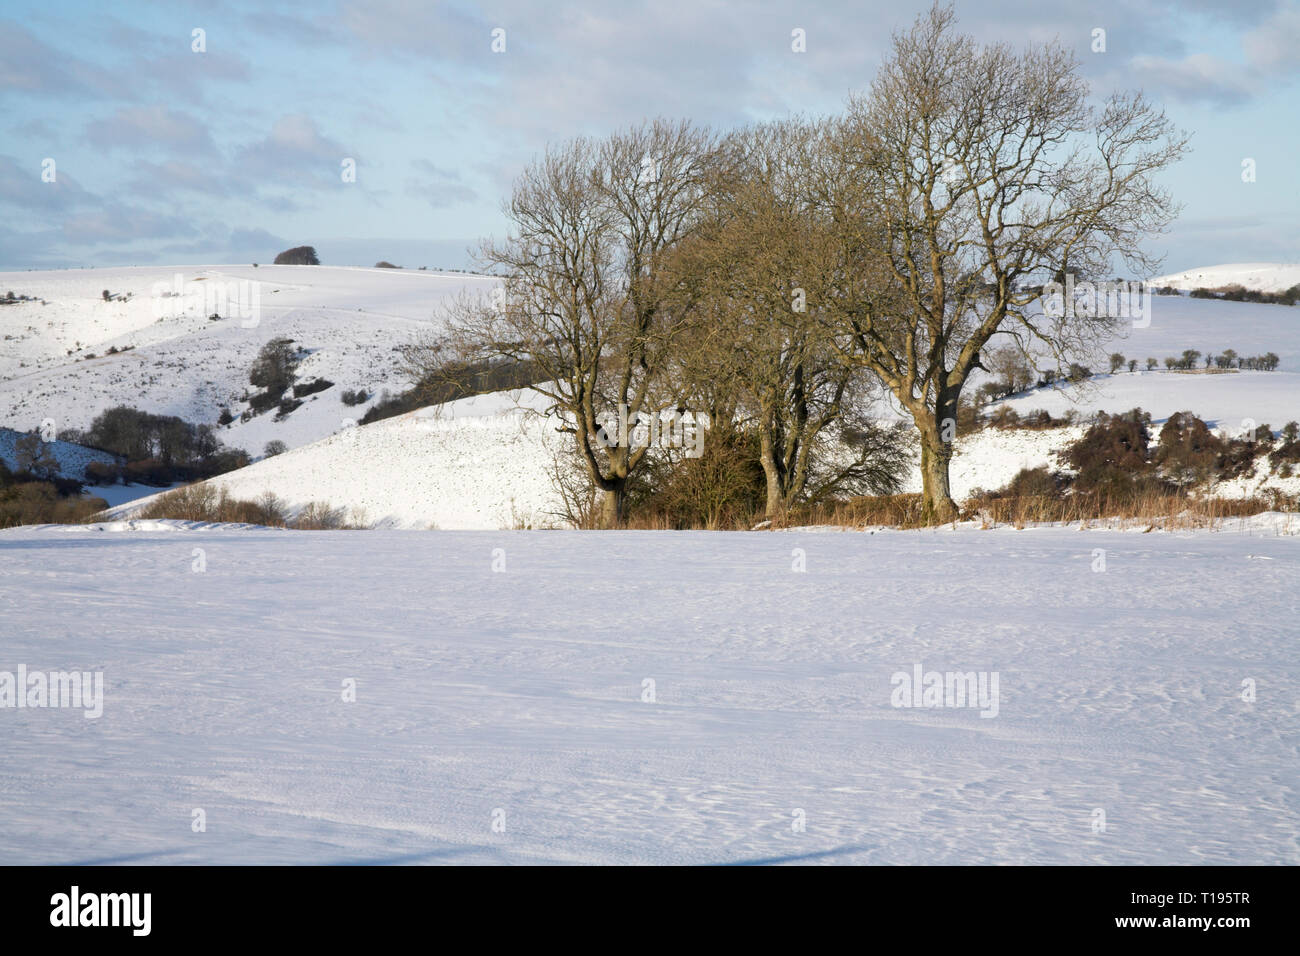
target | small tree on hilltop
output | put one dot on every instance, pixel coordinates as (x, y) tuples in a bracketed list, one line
[(298, 256)]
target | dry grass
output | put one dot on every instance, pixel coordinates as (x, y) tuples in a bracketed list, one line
[(39, 503), (202, 502), (1150, 510)]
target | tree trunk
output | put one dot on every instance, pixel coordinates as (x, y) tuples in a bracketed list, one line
[(613, 506), (772, 471), (937, 505)]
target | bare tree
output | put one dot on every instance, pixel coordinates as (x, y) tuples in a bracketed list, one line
[(762, 347), (592, 295), (965, 174), (1011, 368), (35, 456)]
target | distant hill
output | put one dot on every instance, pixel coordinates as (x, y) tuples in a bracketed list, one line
[(1257, 276), (80, 353)]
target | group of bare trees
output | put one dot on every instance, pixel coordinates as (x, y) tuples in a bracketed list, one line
[(784, 278)]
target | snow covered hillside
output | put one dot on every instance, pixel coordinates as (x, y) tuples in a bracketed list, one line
[(733, 710), (182, 363), (472, 469), (476, 463), (1256, 276)]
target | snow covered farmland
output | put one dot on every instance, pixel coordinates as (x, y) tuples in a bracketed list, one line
[(652, 697)]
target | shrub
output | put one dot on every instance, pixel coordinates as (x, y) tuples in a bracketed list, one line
[(225, 418), (39, 502), (1286, 451), (988, 392), (103, 473), (268, 510), (1112, 454), (452, 381), (1033, 483), (385, 264), (148, 471), (724, 487), (222, 461), (274, 447), (319, 516), (311, 388), (203, 502), (1004, 417), (358, 397), (262, 401), (1188, 452)]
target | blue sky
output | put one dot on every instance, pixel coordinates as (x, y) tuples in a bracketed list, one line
[(168, 156)]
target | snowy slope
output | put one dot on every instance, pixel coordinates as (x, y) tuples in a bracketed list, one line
[(1224, 400), (1256, 276), (477, 463), (468, 471), (348, 319), (518, 696)]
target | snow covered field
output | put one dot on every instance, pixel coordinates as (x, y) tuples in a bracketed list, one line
[(520, 697)]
